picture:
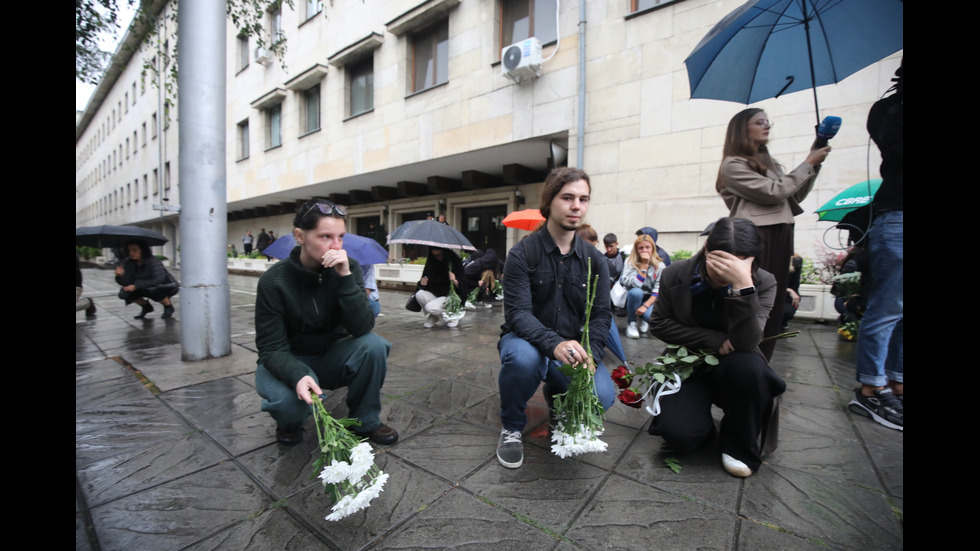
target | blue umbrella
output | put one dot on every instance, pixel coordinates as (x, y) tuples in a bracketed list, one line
[(280, 248), (362, 249), (766, 48)]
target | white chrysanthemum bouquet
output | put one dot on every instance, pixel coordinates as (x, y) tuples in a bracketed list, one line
[(346, 465), (578, 413)]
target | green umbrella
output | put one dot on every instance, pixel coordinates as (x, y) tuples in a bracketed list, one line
[(850, 199)]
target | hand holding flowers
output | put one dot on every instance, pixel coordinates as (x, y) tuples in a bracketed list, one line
[(578, 412), (346, 465)]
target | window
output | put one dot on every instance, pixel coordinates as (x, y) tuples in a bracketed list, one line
[(144, 134), (273, 126), (242, 52), (127, 148), (640, 5), (153, 126), (146, 187), (520, 19), (430, 57), (313, 7), (275, 24), (136, 190), (134, 92), (311, 110), (361, 86), (126, 102), (166, 175), (135, 144), (156, 180), (243, 140)]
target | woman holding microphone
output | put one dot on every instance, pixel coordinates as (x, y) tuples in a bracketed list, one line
[(755, 187)]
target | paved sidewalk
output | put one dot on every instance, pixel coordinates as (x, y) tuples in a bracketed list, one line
[(177, 455)]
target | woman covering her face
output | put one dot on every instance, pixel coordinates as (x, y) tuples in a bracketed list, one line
[(720, 300)]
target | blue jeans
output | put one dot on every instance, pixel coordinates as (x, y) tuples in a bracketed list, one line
[(634, 298), (359, 363), (880, 335), (523, 367), (375, 306)]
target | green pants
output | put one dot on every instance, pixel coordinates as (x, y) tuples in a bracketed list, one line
[(359, 363)]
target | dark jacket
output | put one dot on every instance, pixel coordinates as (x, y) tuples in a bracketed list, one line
[(301, 312), (545, 298), (745, 317), (438, 273), (150, 274)]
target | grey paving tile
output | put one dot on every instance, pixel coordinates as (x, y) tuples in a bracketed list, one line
[(701, 477), (214, 403), (149, 463), (821, 509), (273, 529), (180, 512), (624, 513), (450, 450), (546, 490), (461, 521)]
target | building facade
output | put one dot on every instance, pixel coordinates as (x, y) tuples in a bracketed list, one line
[(405, 108)]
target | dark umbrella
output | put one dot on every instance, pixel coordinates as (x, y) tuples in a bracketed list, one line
[(280, 248), (431, 233), (767, 48), (116, 236)]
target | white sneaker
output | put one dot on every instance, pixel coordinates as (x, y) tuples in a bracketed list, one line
[(735, 467), (483, 305), (430, 321), (644, 326), (631, 331), (452, 323), (469, 306)]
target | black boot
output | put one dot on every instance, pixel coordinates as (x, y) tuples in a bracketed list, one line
[(168, 311), (90, 311), (147, 308)]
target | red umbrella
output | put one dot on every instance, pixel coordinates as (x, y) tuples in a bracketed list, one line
[(527, 219)]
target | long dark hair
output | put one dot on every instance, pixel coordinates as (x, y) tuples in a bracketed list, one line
[(553, 184), (739, 144), (736, 236), (144, 248)]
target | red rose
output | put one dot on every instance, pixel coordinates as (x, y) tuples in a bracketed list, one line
[(622, 377), (630, 398)]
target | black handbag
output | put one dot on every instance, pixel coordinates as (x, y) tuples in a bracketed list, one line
[(412, 304)]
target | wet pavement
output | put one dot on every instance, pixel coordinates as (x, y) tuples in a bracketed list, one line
[(178, 455)]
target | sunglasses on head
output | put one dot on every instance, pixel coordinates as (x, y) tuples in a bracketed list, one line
[(328, 208)]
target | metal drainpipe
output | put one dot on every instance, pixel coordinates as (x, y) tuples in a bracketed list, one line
[(580, 133)]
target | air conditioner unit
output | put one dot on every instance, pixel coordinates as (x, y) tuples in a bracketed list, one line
[(263, 56), (521, 60)]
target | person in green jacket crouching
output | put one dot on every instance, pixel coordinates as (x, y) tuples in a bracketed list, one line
[(313, 329)]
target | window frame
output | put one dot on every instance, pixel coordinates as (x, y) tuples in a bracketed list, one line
[(243, 53), (502, 35), (361, 68), (243, 136), (267, 115), (305, 109), (433, 36)]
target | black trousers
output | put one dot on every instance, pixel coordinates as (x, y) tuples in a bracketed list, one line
[(777, 250), (743, 386)]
